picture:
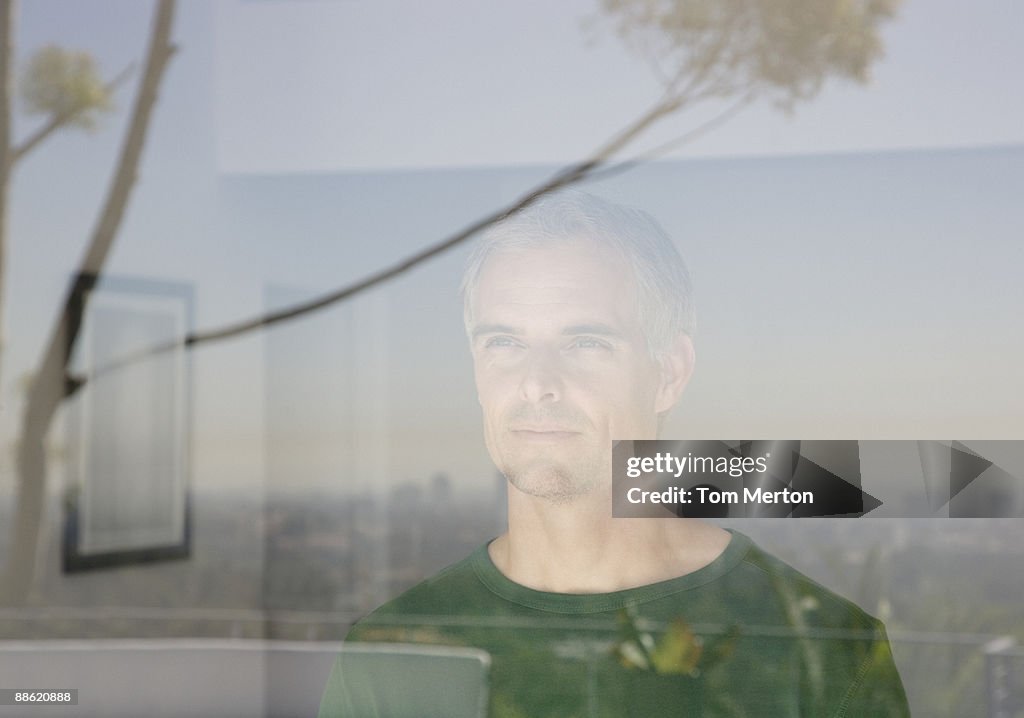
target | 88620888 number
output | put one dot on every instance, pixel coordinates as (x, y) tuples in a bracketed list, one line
[(42, 697)]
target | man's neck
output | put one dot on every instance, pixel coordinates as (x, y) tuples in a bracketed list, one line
[(577, 547)]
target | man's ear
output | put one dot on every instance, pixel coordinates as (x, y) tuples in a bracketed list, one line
[(676, 368)]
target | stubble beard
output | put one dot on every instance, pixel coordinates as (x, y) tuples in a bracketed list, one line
[(559, 474), (553, 482)]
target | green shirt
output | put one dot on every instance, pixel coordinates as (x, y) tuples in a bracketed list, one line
[(747, 635)]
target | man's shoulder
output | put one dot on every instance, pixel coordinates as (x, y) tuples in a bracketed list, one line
[(439, 592), (432, 600), (842, 649), (797, 596)]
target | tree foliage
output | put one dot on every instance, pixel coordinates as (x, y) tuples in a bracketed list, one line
[(65, 84), (783, 49)]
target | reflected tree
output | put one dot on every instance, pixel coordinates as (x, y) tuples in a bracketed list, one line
[(65, 88), (61, 86), (703, 51), (782, 49), (729, 52)]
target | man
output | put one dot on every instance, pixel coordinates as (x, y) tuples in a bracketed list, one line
[(579, 317)]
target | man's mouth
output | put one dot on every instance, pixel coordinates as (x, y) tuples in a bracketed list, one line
[(543, 433)]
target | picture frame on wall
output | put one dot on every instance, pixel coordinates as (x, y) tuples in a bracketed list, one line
[(127, 498)]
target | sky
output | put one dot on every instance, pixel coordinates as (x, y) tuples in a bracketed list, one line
[(856, 256), (335, 84)]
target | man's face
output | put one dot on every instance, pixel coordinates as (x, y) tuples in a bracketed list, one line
[(562, 366)]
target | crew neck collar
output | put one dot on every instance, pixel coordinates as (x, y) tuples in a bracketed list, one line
[(580, 603)]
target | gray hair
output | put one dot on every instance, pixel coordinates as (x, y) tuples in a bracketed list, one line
[(664, 290)]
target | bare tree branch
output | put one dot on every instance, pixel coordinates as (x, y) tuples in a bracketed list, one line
[(7, 12), (563, 178), (710, 68), (666, 147)]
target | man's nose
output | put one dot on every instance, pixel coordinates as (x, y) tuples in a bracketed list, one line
[(542, 379)]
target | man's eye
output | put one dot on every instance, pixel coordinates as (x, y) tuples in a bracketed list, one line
[(500, 343), (590, 343)]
